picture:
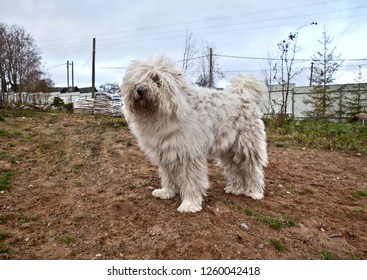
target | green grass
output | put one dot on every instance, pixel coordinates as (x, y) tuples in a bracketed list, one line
[(4, 248), (3, 219), (67, 240), (359, 194), (26, 219), (325, 255), (278, 245), (219, 176), (3, 235), (274, 222), (318, 134), (5, 178)]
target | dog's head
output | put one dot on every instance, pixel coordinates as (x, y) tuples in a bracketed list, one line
[(153, 87)]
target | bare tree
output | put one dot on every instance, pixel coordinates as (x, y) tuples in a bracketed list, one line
[(285, 69), (20, 58), (190, 51)]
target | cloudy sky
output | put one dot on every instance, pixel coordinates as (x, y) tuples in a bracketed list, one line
[(243, 32)]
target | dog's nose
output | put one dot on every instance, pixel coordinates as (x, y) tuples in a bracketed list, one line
[(141, 91)]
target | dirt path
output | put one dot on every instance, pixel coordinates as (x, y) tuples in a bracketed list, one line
[(82, 190)]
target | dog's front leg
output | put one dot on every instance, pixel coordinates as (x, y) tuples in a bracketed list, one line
[(168, 188), (192, 180)]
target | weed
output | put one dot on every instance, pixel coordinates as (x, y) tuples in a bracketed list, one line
[(5, 179), (4, 248), (9, 145), (78, 166), (128, 143), (67, 240), (79, 218), (278, 245), (3, 235), (325, 255), (359, 194), (219, 176), (275, 223), (290, 222), (3, 133), (3, 219), (25, 219)]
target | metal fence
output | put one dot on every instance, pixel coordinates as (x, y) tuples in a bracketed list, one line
[(41, 98), (297, 108)]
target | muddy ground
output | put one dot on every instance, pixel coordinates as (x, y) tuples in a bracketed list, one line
[(80, 188)]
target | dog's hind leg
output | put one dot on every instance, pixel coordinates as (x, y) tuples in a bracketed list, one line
[(168, 188), (192, 180)]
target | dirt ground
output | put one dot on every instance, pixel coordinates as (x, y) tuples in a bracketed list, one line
[(81, 189)]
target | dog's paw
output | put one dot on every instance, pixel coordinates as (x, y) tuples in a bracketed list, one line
[(254, 195), (163, 194), (232, 190), (189, 207)]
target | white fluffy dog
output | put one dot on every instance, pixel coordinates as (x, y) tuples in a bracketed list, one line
[(179, 126)]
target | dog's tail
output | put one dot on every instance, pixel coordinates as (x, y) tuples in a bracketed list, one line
[(249, 87)]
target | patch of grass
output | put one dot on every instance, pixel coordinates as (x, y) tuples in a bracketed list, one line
[(239, 209), (3, 133), (325, 255), (4, 248), (278, 245), (120, 123), (5, 179), (359, 194), (3, 219), (9, 145), (2, 119), (128, 143), (26, 219), (3, 235), (219, 176), (67, 240), (273, 222), (79, 218), (78, 166), (318, 134)]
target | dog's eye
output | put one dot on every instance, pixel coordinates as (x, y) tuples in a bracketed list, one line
[(156, 79)]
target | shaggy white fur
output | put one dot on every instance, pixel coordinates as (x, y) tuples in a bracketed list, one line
[(179, 126)]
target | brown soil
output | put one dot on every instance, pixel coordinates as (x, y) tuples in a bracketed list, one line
[(82, 190)]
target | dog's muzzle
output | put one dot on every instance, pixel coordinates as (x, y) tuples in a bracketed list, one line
[(141, 91)]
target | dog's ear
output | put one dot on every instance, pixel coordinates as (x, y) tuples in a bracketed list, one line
[(156, 79)]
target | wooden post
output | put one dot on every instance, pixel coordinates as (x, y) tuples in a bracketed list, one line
[(67, 73), (72, 74), (210, 67), (93, 67)]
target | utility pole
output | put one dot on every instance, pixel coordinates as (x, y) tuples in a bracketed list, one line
[(93, 67), (67, 73), (72, 74), (210, 67)]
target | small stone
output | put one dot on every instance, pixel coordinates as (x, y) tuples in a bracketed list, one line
[(358, 154), (98, 255), (244, 227), (27, 239), (260, 246), (322, 229), (335, 234)]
